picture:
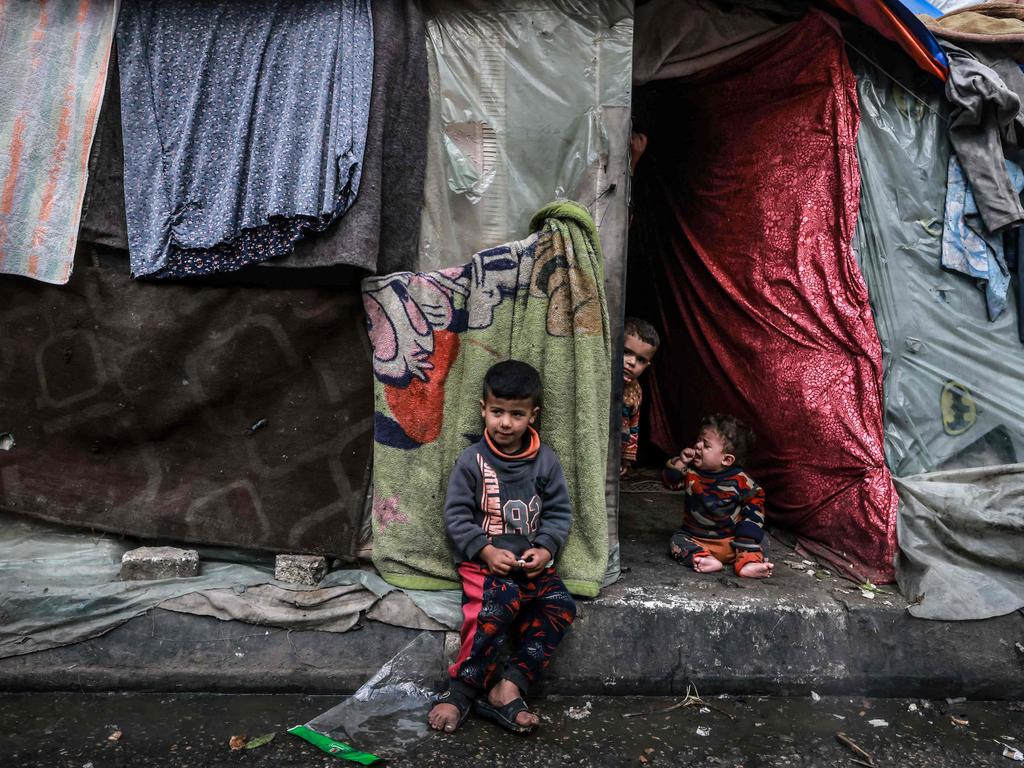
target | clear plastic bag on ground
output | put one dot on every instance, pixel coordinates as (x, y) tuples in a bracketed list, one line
[(387, 716)]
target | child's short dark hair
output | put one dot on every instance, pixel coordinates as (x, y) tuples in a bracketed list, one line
[(513, 380), (736, 436), (643, 330)]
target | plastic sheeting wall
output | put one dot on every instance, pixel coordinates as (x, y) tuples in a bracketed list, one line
[(954, 403), (530, 102), (951, 378)]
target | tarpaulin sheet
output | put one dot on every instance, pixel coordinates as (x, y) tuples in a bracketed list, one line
[(746, 206), (61, 586), (895, 21), (954, 419), (525, 101), (53, 67), (953, 396), (220, 414), (961, 535)]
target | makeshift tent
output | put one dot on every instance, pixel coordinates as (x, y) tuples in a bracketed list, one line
[(267, 443), (92, 384), (745, 209)]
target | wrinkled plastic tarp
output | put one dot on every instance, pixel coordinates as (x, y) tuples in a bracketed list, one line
[(952, 379), (59, 586), (523, 96), (961, 535)]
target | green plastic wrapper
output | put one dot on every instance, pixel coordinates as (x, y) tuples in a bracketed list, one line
[(332, 747)]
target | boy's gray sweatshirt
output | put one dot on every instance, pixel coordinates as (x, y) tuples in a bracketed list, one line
[(490, 494)]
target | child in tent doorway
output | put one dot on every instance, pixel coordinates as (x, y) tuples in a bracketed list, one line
[(640, 342), (723, 511), (507, 513)]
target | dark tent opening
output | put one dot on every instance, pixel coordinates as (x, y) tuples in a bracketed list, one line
[(744, 209)]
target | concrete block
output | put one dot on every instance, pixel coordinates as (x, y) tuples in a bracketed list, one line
[(149, 563), (300, 569)]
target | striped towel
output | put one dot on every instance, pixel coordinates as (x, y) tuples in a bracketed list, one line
[(53, 67)]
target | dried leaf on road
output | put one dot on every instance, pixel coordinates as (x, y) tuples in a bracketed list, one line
[(259, 741)]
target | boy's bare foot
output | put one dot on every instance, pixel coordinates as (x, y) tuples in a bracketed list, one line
[(706, 564), (506, 691), (444, 717), (756, 570)]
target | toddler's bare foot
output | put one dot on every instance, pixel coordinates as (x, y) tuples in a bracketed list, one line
[(506, 691), (444, 717), (706, 564), (756, 570)]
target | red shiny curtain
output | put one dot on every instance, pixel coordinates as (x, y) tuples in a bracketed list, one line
[(745, 207)]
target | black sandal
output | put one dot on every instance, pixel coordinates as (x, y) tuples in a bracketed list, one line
[(458, 700), (504, 716)]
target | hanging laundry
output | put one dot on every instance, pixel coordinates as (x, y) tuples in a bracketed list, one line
[(982, 129), (244, 127), (967, 246), (381, 231), (53, 66)]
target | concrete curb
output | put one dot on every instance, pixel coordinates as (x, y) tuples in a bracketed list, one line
[(647, 641)]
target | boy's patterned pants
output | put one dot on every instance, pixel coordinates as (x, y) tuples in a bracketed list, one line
[(533, 613)]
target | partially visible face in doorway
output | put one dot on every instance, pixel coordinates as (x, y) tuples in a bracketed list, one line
[(711, 453), (636, 356)]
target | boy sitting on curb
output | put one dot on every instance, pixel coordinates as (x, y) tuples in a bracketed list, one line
[(507, 513), (723, 513)]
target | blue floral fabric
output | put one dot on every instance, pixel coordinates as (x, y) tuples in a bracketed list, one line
[(967, 246), (244, 126)]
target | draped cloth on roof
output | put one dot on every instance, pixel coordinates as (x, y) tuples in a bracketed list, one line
[(53, 67), (746, 204), (244, 127)]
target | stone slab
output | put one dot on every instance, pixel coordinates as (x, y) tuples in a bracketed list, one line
[(152, 563), (300, 569)]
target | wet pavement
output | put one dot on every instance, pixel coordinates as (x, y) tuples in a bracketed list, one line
[(184, 730)]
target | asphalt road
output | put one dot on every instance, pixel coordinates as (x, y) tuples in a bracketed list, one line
[(184, 730)]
